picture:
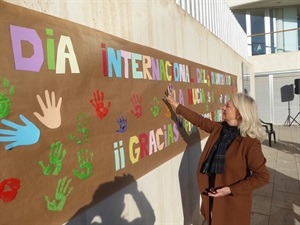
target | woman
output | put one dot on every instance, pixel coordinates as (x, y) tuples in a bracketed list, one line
[(232, 164)]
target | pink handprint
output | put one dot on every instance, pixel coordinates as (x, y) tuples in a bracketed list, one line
[(98, 104), (137, 104)]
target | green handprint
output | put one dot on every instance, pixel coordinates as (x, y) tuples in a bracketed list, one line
[(60, 195), (155, 109), (82, 121), (83, 160), (8, 91), (56, 157)]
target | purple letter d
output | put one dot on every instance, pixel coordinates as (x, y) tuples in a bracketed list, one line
[(34, 63)]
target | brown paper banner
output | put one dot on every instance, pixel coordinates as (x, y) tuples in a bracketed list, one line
[(79, 107)]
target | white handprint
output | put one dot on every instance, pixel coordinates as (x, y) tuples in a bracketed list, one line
[(52, 117)]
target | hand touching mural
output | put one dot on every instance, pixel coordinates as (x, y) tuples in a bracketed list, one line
[(20, 135), (61, 195), (137, 104), (98, 104), (52, 117), (83, 160), (9, 188), (56, 157)]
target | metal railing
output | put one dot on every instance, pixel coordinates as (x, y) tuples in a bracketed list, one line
[(216, 16), (278, 42)]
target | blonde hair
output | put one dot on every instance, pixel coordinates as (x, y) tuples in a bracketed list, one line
[(250, 124)]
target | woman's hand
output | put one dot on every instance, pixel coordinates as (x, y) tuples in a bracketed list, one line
[(219, 192), (169, 96)]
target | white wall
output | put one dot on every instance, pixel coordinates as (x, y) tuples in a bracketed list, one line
[(162, 25)]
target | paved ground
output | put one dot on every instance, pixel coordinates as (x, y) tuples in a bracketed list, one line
[(278, 203)]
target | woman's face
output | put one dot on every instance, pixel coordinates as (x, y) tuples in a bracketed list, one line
[(230, 113)]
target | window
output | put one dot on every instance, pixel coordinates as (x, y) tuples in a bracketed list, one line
[(257, 28)]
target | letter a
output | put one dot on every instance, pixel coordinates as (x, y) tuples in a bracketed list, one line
[(65, 42)]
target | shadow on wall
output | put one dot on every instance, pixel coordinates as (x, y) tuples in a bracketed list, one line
[(110, 210), (190, 196)]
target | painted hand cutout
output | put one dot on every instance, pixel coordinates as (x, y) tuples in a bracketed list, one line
[(137, 104), (56, 157), (52, 117), (155, 109), (122, 124), (61, 195), (9, 188), (98, 104), (83, 160), (20, 135)]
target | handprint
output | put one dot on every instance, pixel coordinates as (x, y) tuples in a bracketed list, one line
[(20, 135), (9, 188), (56, 157), (83, 160), (52, 117), (82, 122), (137, 104), (5, 94), (155, 109), (122, 124), (61, 195), (98, 104)]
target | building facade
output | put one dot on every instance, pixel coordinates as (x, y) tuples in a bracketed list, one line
[(272, 29)]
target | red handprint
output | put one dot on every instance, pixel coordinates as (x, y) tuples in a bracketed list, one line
[(98, 104), (9, 193), (136, 102)]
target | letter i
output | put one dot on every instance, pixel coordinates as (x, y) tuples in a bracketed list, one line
[(50, 50), (104, 60), (119, 155)]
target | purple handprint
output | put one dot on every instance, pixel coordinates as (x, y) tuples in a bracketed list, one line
[(122, 122)]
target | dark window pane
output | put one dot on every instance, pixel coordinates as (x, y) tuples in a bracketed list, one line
[(241, 18), (257, 32)]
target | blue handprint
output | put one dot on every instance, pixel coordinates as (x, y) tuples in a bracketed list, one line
[(122, 124), (20, 135)]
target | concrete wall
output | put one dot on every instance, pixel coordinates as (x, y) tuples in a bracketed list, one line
[(276, 63), (161, 24)]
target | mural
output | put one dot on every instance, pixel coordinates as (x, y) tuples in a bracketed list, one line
[(79, 107)]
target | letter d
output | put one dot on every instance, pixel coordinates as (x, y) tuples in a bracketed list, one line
[(19, 34)]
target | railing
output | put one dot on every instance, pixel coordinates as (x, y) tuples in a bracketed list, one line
[(216, 16), (279, 42)]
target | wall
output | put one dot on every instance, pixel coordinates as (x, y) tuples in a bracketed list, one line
[(161, 24), (279, 70)]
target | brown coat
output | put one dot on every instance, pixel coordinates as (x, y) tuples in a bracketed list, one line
[(243, 156)]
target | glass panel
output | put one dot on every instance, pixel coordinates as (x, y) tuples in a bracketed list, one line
[(272, 29), (298, 21), (258, 27), (289, 23), (241, 18)]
